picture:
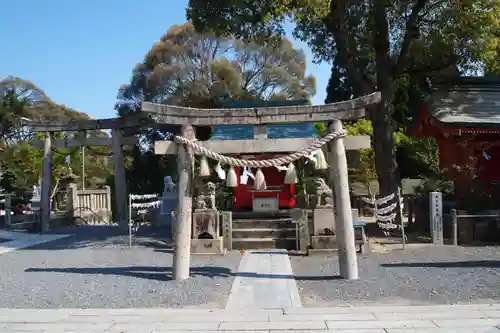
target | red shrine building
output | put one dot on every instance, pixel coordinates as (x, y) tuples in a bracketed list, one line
[(464, 117), (278, 194)]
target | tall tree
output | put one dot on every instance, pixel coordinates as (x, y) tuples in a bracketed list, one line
[(18, 99), (373, 43), (187, 68), (200, 70), (21, 163)]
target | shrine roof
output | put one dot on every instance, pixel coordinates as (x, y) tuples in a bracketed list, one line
[(468, 101), (275, 131)]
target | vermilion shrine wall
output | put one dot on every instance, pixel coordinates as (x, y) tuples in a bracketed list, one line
[(460, 148)]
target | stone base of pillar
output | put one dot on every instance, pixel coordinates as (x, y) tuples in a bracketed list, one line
[(207, 246)]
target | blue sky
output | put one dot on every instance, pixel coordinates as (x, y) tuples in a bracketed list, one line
[(80, 52)]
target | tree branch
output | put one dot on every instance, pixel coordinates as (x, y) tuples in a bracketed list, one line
[(55, 189), (410, 34), (336, 24), (430, 68)]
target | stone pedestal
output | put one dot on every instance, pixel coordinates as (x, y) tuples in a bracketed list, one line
[(207, 246), (206, 237), (323, 237), (323, 243), (205, 224), (324, 222)]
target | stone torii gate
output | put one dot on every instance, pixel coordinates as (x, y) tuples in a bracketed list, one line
[(115, 142), (260, 116)]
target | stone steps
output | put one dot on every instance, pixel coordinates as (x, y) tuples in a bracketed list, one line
[(264, 243), (264, 233), (261, 215), (269, 230), (263, 223)]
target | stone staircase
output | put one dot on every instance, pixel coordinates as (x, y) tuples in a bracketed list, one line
[(273, 230)]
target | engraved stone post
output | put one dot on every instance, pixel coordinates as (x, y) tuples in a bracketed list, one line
[(436, 217), (227, 230)]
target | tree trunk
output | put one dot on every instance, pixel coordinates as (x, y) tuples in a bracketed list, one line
[(383, 140), (381, 115)]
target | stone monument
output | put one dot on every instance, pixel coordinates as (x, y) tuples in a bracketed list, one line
[(168, 203)]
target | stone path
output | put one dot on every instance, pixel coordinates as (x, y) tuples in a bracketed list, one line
[(21, 240), (374, 319), (264, 281), (263, 298)]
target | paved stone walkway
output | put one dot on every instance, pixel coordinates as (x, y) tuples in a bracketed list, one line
[(372, 319), (263, 298), (21, 240), (264, 280)]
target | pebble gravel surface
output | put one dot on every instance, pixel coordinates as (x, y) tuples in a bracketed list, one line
[(95, 268), (430, 275)]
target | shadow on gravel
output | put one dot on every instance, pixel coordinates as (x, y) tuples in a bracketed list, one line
[(100, 236), (455, 264), (165, 273)]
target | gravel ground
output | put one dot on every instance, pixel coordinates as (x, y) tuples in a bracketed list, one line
[(94, 268), (428, 275)]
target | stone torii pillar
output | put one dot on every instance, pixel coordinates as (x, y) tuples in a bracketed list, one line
[(348, 264), (184, 216), (46, 195)]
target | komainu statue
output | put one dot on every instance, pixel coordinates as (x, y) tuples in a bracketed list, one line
[(205, 216), (323, 191), (206, 198), (211, 188)]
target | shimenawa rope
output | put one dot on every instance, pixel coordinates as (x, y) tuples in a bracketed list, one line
[(261, 163)]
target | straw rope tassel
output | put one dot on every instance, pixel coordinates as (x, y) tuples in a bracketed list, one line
[(232, 178), (260, 181), (204, 167), (321, 163), (291, 175)]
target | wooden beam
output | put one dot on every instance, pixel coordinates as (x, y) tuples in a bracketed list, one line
[(90, 142), (178, 115), (91, 124), (260, 145)]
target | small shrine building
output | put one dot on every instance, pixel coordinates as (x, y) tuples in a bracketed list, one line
[(278, 195), (275, 179), (464, 117)]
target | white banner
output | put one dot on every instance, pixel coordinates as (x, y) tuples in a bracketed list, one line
[(380, 201), (134, 197), (153, 204)]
